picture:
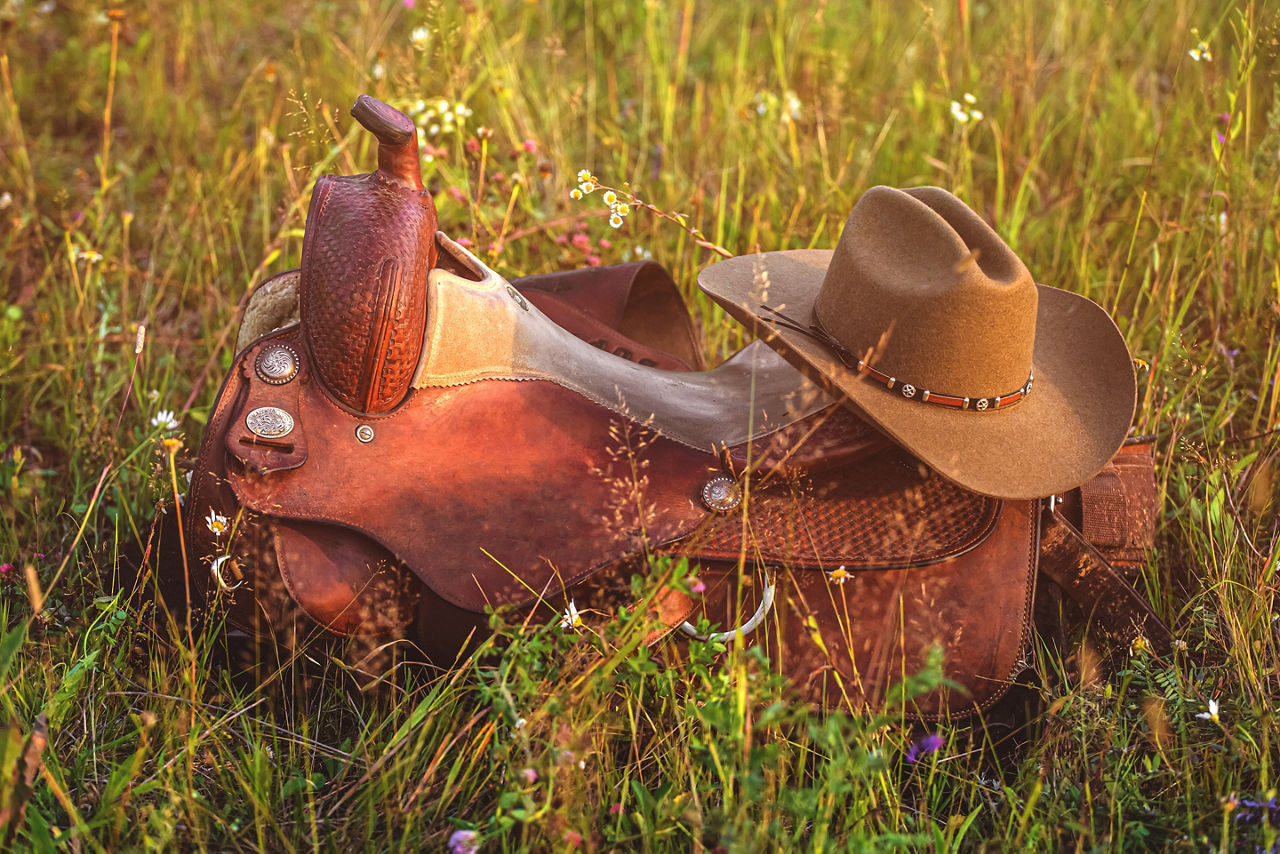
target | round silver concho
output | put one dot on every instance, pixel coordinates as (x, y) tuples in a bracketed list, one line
[(722, 494), (269, 422), (277, 365), (364, 433)]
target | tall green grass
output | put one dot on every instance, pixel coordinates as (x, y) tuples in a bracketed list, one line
[(155, 165)]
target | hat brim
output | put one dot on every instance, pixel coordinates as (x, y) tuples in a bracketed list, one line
[(1076, 417)]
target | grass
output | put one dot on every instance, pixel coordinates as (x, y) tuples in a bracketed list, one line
[(155, 165)]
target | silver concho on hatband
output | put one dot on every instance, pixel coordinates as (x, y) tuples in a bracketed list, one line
[(269, 422), (276, 365)]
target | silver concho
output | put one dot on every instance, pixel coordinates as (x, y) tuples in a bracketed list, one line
[(277, 364), (364, 433), (908, 390), (269, 422), (722, 494)]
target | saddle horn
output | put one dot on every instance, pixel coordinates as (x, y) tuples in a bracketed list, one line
[(368, 246)]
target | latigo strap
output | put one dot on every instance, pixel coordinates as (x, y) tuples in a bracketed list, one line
[(1109, 603)]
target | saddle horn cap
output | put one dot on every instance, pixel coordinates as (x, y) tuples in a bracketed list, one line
[(397, 139)]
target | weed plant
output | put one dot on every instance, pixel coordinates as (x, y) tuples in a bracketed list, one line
[(156, 162)]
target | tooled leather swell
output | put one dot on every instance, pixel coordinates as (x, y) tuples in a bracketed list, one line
[(362, 294)]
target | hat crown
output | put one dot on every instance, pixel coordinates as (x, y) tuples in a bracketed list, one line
[(925, 291)]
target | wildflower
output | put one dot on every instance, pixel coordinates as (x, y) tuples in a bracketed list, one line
[(462, 841), (379, 71), (571, 619), (89, 255), (1212, 714), (5, 568), (839, 575), (1201, 51), (605, 243), (1138, 645), (587, 186), (172, 445), (929, 744), (697, 586), (164, 420), (615, 221), (582, 241), (610, 198), (594, 261), (433, 130), (614, 809), (584, 175), (217, 522), (573, 837), (420, 36), (6, 199), (530, 776), (38, 555), (793, 106), (484, 132), (1180, 645), (530, 146), (520, 722), (1255, 812)]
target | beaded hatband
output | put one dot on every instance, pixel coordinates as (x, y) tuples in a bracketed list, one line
[(906, 389)]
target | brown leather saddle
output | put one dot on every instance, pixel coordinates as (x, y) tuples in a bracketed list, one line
[(429, 441)]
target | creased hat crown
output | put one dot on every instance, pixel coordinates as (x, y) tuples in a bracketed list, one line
[(925, 291)]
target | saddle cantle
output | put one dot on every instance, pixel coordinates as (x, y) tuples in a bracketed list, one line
[(428, 441)]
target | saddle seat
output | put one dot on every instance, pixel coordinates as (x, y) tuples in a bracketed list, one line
[(479, 327)]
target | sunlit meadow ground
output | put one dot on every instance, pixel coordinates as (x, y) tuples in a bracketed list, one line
[(155, 165)]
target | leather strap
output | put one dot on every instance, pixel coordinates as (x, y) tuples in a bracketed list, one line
[(1109, 603)]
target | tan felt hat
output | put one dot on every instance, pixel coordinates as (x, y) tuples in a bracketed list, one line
[(931, 326)]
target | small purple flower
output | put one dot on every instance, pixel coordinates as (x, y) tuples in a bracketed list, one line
[(697, 586), (1256, 812), (530, 776), (931, 743), (464, 842), (40, 555)]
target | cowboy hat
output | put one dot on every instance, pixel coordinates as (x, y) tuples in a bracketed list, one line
[(930, 325)]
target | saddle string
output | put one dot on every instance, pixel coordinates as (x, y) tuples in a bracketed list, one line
[(816, 332)]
